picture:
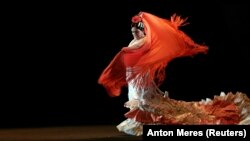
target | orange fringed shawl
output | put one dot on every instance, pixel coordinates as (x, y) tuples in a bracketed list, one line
[(164, 42)]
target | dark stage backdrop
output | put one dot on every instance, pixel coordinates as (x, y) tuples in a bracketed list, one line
[(59, 50)]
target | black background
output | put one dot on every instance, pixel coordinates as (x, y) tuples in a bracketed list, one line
[(56, 52)]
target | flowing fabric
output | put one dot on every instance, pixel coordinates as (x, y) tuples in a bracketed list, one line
[(164, 42), (113, 78)]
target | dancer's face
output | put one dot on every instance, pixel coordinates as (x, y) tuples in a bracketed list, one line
[(137, 33)]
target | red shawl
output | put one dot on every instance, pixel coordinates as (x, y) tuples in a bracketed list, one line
[(164, 42)]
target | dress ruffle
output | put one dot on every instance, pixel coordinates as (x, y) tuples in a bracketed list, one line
[(226, 109)]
